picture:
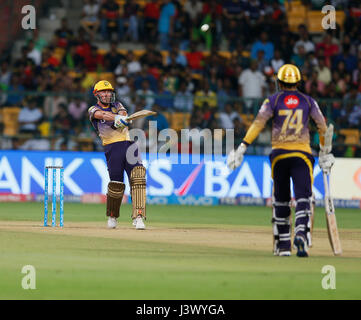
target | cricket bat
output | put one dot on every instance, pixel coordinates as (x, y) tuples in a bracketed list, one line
[(140, 114), (331, 219)]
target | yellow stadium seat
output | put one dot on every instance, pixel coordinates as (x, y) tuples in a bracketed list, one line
[(10, 118), (138, 53), (165, 55), (314, 21), (340, 18), (102, 51), (352, 136), (225, 54), (295, 19), (167, 116), (247, 119), (180, 120), (109, 76), (44, 128), (197, 76)]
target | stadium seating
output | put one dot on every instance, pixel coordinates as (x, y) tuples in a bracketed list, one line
[(10, 118), (180, 121), (352, 136)]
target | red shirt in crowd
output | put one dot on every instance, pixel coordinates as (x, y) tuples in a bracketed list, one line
[(151, 10), (195, 59)]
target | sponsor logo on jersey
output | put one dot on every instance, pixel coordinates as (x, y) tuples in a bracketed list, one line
[(291, 101)]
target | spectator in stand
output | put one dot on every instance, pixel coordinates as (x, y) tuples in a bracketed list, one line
[(205, 95), (357, 73), (194, 9), (33, 53), (304, 40), (152, 57), (72, 59), (30, 117), (183, 100), (252, 84), (111, 21), (226, 117), (145, 93), (277, 62), (324, 73), (151, 17), (5, 77), (90, 18), (182, 29), (349, 59), (195, 58), (145, 75), (164, 97), (64, 34), (130, 16), (329, 48), (170, 79), (263, 44), (285, 48), (159, 118), (299, 58), (339, 148), (133, 64), (165, 23), (262, 62), (52, 103), (124, 93), (63, 122), (16, 89), (94, 62), (77, 109), (225, 92), (113, 57), (319, 85), (23, 61), (215, 10), (82, 44), (177, 56), (254, 13), (233, 30), (233, 9)]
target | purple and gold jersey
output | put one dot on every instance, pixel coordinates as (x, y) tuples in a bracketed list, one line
[(290, 111), (105, 129)]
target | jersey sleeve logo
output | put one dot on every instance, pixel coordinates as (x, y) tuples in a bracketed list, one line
[(291, 101)]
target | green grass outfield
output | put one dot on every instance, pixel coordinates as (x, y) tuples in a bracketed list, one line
[(186, 252)]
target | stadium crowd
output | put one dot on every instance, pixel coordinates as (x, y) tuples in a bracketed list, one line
[(214, 60)]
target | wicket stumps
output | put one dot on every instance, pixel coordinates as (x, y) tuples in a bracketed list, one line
[(61, 196)]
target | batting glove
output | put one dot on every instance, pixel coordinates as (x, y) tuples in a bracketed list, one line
[(120, 121), (326, 161), (235, 157)]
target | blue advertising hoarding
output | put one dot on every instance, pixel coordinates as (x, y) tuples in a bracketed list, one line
[(86, 172)]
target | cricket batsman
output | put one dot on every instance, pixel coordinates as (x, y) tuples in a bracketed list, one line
[(291, 158), (109, 118)]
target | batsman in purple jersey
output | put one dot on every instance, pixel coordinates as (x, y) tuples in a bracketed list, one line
[(109, 119), (291, 158)]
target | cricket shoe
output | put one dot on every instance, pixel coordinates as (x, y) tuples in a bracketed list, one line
[(284, 253), (112, 223), (301, 245), (139, 223)]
